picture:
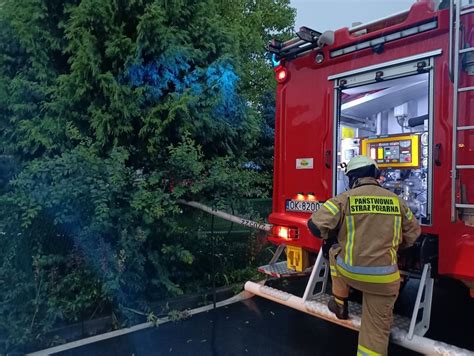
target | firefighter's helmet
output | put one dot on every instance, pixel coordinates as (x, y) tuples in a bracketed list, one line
[(359, 162)]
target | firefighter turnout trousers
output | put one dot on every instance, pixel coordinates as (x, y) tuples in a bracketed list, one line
[(377, 308)]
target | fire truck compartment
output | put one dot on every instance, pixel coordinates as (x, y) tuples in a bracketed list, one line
[(390, 121)]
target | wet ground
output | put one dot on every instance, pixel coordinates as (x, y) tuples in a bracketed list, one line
[(260, 327)]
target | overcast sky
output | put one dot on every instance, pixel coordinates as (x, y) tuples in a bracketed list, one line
[(325, 15)]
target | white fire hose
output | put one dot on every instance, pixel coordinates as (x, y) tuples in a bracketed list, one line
[(226, 216)]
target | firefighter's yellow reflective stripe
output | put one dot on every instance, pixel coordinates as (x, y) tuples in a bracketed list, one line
[(333, 209), (339, 301), (364, 351), (399, 229), (350, 239), (333, 271), (394, 256), (370, 278), (374, 205), (370, 270), (409, 214), (397, 222)]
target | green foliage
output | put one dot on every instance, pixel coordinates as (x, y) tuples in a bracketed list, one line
[(178, 315), (110, 111)]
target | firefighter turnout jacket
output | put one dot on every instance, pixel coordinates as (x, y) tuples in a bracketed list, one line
[(371, 224)]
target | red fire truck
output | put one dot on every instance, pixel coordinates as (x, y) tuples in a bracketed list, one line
[(401, 91)]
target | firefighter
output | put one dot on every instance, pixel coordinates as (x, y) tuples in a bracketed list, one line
[(370, 224)]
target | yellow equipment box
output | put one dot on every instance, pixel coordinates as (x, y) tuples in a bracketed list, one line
[(296, 258)]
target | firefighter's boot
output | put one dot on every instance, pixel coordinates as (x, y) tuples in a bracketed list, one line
[(340, 307)]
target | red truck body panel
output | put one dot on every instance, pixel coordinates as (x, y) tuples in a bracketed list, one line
[(305, 128)]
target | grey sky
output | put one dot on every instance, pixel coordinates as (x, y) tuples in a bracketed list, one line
[(325, 15)]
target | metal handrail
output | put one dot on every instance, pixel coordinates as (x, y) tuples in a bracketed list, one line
[(367, 24), (457, 27), (451, 8)]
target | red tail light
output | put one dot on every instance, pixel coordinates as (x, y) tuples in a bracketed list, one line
[(285, 233)]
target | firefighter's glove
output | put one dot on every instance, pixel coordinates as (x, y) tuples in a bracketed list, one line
[(314, 229), (327, 244)]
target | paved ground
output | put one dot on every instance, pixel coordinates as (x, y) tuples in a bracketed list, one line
[(260, 327)]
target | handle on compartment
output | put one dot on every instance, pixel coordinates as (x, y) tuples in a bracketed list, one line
[(437, 154), (327, 155)]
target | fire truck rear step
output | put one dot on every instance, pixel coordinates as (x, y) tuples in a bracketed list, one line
[(281, 270)]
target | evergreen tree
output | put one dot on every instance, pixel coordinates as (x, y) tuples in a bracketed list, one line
[(110, 111)]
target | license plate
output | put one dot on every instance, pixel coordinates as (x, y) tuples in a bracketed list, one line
[(303, 206)]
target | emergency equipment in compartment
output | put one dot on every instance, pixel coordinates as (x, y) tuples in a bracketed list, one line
[(401, 91), (393, 151)]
